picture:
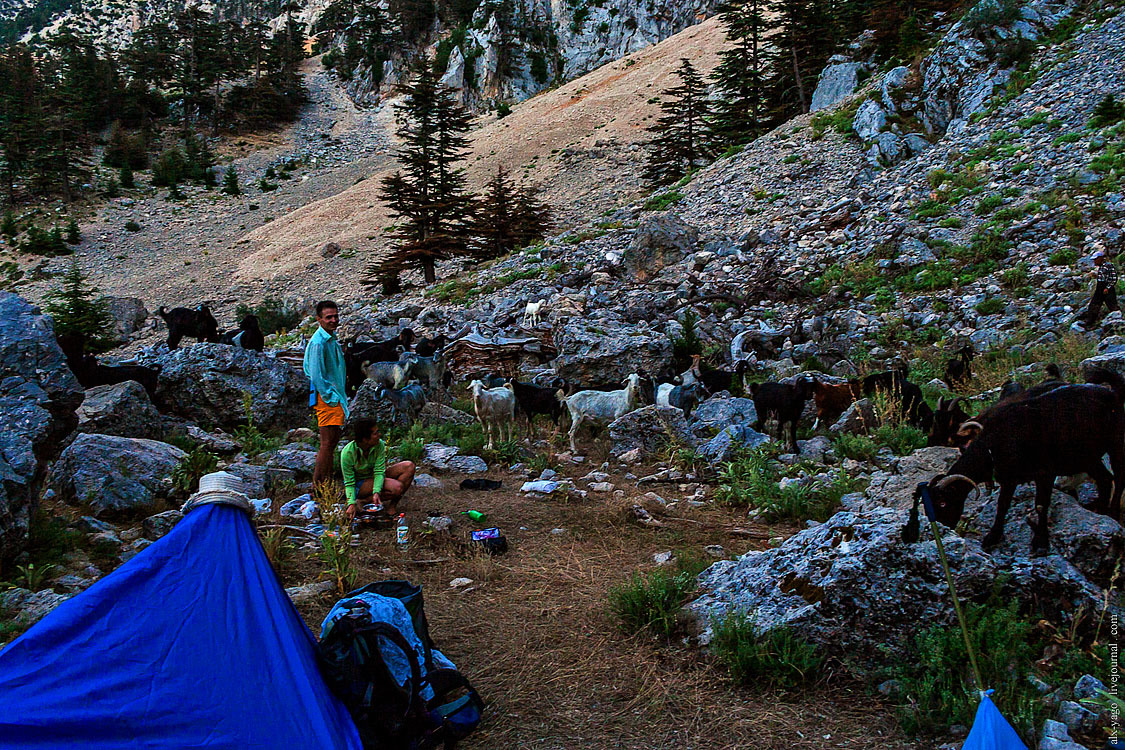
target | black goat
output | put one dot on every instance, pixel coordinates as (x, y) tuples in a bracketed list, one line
[(894, 384), (1061, 432), (427, 345), (534, 399), (786, 402), (686, 397), (248, 336), (198, 324), (92, 373), (959, 369), (948, 418), (722, 380)]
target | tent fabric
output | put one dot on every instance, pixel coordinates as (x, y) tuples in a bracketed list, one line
[(193, 643), (991, 731)]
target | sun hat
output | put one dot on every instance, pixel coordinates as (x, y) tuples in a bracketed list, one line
[(220, 488)]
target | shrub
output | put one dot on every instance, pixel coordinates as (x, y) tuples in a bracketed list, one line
[(1108, 112), (9, 227), (252, 439), (503, 109), (73, 233), (1064, 256), (777, 658), (990, 306), (170, 169), (199, 461), (661, 201), (274, 315), (125, 150), (988, 204), (1015, 277), (902, 439), (989, 13), (653, 600), (125, 177), (76, 310), (132, 226), (858, 447), (752, 478), (687, 343)]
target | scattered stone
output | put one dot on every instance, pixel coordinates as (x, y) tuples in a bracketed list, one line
[(446, 458), (309, 591), (663, 559), (649, 430), (458, 583), (428, 481), (160, 524)]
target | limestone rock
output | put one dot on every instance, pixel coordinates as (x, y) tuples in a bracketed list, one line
[(651, 429), (122, 409), (114, 475), (837, 82), (594, 355), (658, 242)]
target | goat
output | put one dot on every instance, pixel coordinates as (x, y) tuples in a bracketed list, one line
[(721, 380), (495, 408), (198, 324), (430, 370), (408, 400), (948, 418), (535, 399), (600, 406), (959, 369), (533, 312), (391, 374), (1061, 432), (784, 401), (831, 400), (692, 373), (248, 336), (356, 355), (91, 373), (429, 346), (683, 397), (894, 383)]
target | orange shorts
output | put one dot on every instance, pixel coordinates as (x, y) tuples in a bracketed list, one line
[(328, 415)]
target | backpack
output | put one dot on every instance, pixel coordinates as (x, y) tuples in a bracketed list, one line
[(377, 657)]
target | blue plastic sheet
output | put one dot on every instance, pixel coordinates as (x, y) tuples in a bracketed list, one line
[(991, 731), (191, 644)]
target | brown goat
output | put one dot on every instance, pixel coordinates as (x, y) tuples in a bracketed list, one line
[(832, 400)]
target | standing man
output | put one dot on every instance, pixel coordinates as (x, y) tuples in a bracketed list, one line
[(1105, 289), (324, 366)]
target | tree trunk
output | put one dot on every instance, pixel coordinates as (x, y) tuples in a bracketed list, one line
[(429, 269), (800, 84)]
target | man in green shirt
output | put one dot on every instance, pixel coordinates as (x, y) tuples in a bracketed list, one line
[(367, 477)]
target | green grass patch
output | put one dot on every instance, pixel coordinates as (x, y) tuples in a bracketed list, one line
[(652, 601), (777, 658), (661, 201), (990, 306), (752, 479)]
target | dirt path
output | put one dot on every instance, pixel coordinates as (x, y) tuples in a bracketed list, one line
[(535, 633), (188, 251)]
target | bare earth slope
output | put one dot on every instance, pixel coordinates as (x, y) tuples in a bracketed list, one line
[(579, 142)]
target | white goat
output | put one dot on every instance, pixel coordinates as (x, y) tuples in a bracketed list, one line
[(533, 312), (601, 406), (662, 392), (494, 407), (392, 374)]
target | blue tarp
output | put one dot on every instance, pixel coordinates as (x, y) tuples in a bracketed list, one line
[(991, 731), (191, 644)]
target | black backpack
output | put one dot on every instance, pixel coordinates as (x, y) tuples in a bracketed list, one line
[(377, 657)]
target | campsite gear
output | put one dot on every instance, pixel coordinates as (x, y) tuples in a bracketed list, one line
[(220, 488), (481, 485), (373, 508), (402, 531), (191, 643), (476, 515), (377, 655), (490, 540), (990, 731)]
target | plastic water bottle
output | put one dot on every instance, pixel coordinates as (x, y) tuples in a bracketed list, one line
[(402, 531), (476, 515)]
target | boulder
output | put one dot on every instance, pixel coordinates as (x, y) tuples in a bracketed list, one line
[(261, 481), (447, 458), (723, 446), (895, 489), (719, 412), (1115, 362), (659, 241), (593, 355), (858, 419), (892, 81), (115, 475), (837, 82), (652, 430), (870, 119), (298, 458), (158, 525), (365, 405), (129, 316), (851, 585), (38, 398), (434, 414), (35, 607), (122, 409), (206, 383), (887, 150)]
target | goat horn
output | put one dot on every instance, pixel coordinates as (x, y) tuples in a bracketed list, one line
[(966, 425), (952, 478), (941, 403)]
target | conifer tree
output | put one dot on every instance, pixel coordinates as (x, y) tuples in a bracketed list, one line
[(740, 110), (76, 308), (125, 177), (428, 196), (494, 218), (73, 233), (230, 182), (807, 34), (680, 142)]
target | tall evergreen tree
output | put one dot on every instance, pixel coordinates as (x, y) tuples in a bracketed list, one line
[(532, 217), (76, 308), (680, 142), (494, 218), (807, 34), (740, 110), (428, 196)]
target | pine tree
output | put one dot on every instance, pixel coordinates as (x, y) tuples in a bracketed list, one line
[(76, 309), (1107, 112), (73, 233), (125, 177), (740, 111), (532, 217), (9, 227), (494, 218), (428, 196), (680, 134), (230, 182), (807, 34)]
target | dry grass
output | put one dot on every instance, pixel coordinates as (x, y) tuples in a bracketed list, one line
[(535, 635)]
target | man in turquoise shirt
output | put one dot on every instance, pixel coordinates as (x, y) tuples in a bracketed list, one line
[(367, 477), (324, 366)]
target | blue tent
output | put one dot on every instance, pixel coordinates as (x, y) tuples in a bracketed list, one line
[(192, 643)]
